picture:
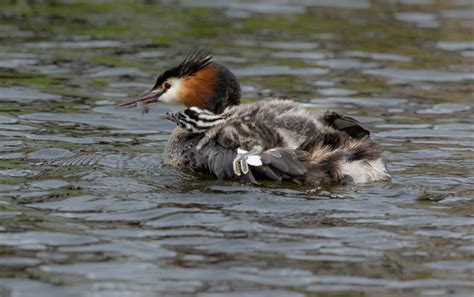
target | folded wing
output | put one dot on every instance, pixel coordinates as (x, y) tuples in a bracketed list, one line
[(277, 164)]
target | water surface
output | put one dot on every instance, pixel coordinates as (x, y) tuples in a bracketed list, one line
[(87, 209)]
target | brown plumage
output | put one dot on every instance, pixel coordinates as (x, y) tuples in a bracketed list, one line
[(198, 88)]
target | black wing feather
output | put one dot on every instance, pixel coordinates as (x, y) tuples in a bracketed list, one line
[(347, 124)]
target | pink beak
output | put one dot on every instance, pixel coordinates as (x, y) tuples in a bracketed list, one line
[(147, 98)]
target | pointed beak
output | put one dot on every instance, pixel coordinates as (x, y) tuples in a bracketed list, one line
[(147, 98)]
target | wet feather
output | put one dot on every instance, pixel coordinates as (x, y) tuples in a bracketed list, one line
[(143, 108)]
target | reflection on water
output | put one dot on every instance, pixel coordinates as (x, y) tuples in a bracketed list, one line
[(87, 209)]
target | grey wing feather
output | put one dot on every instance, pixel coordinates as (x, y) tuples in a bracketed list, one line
[(283, 164), (278, 164), (216, 159), (288, 162), (268, 172)]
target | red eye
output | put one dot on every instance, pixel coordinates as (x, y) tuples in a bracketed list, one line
[(166, 85)]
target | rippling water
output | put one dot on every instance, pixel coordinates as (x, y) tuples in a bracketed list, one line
[(87, 209)]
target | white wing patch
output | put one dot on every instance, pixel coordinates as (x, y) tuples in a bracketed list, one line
[(254, 160), (241, 151)]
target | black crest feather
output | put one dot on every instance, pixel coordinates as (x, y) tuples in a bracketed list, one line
[(191, 64)]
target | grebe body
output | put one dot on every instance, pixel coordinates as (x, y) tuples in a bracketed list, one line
[(271, 139)]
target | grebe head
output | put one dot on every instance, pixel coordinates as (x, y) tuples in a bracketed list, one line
[(196, 81)]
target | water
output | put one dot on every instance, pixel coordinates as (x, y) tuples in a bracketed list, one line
[(87, 209)]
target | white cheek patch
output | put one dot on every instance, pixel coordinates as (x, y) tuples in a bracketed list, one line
[(171, 96)]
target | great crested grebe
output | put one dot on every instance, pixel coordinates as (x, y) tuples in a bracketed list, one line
[(271, 139)]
